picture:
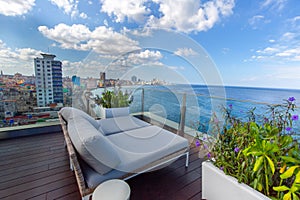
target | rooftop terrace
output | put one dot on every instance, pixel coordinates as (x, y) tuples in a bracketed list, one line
[(37, 167)]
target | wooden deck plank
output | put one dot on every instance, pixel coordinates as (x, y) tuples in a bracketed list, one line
[(37, 167)]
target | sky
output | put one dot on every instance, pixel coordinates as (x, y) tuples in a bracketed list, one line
[(253, 43)]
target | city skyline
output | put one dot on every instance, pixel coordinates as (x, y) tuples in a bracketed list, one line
[(249, 43)]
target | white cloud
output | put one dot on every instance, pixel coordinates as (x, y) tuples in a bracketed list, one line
[(145, 32), (255, 20), (14, 8), (192, 15), (68, 6), (85, 68), (119, 10), (288, 36), (185, 52), (102, 40), (285, 48), (268, 50), (83, 15), (274, 4), (17, 60), (186, 16), (134, 59), (291, 54), (144, 57)]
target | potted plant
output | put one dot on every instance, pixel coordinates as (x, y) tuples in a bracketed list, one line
[(257, 157), (113, 103)]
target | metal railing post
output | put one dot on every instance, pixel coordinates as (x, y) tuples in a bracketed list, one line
[(182, 116), (143, 102)]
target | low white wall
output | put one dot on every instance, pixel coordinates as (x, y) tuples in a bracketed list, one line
[(216, 185)]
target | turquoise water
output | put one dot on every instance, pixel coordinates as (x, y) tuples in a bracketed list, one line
[(202, 101)]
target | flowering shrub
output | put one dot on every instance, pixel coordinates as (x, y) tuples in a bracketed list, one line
[(261, 151)]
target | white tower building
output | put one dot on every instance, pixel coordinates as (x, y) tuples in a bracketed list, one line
[(49, 87)]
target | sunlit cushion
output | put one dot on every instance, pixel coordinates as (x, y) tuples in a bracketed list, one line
[(92, 146), (119, 124), (69, 113)]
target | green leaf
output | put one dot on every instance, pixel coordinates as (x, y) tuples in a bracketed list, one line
[(290, 159), (297, 180), (288, 173), (293, 189), (255, 183), (274, 132), (281, 188), (287, 196), (259, 187), (271, 164), (295, 197), (258, 163)]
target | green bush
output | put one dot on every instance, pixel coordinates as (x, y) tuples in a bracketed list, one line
[(264, 154), (111, 99)]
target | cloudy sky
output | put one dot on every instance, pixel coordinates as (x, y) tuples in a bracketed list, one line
[(233, 42)]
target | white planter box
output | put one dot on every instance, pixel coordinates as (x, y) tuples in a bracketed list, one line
[(217, 185), (113, 112)]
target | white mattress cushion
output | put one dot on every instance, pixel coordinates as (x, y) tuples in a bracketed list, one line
[(70, 112), (139, 147), (93, 147), (120, 124)]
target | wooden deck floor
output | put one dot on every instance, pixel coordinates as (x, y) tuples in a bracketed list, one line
[(37, 167)]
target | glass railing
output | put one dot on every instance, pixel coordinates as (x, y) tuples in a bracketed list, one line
[(184, 108), (189, 109)]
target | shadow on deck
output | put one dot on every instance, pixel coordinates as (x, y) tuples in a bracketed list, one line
[(37, 167)]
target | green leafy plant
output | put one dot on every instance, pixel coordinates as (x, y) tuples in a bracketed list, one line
[(113, 99), (261, 151)]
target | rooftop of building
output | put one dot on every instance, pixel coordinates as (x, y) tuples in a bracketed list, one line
[(37, 167)]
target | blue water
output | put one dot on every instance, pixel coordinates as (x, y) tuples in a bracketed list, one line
[(202, 101)]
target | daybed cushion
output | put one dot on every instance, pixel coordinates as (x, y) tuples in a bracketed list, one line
[(119, 124), (93, 147), (93, 179), (117, 112), (69, 113), (139, 147)]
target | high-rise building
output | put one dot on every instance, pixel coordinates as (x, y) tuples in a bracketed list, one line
[(49, 86), (102, 81), (134, 79)]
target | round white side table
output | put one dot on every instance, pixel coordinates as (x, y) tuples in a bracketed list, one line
[(114, 189)]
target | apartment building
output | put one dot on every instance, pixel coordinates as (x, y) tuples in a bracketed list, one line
[(49, 86)]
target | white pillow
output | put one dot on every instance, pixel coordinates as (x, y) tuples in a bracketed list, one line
[(92, 146)]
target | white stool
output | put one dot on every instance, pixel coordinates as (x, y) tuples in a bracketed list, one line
[(114, 189)]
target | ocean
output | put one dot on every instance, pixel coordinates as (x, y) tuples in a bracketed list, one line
[(203, 101)]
